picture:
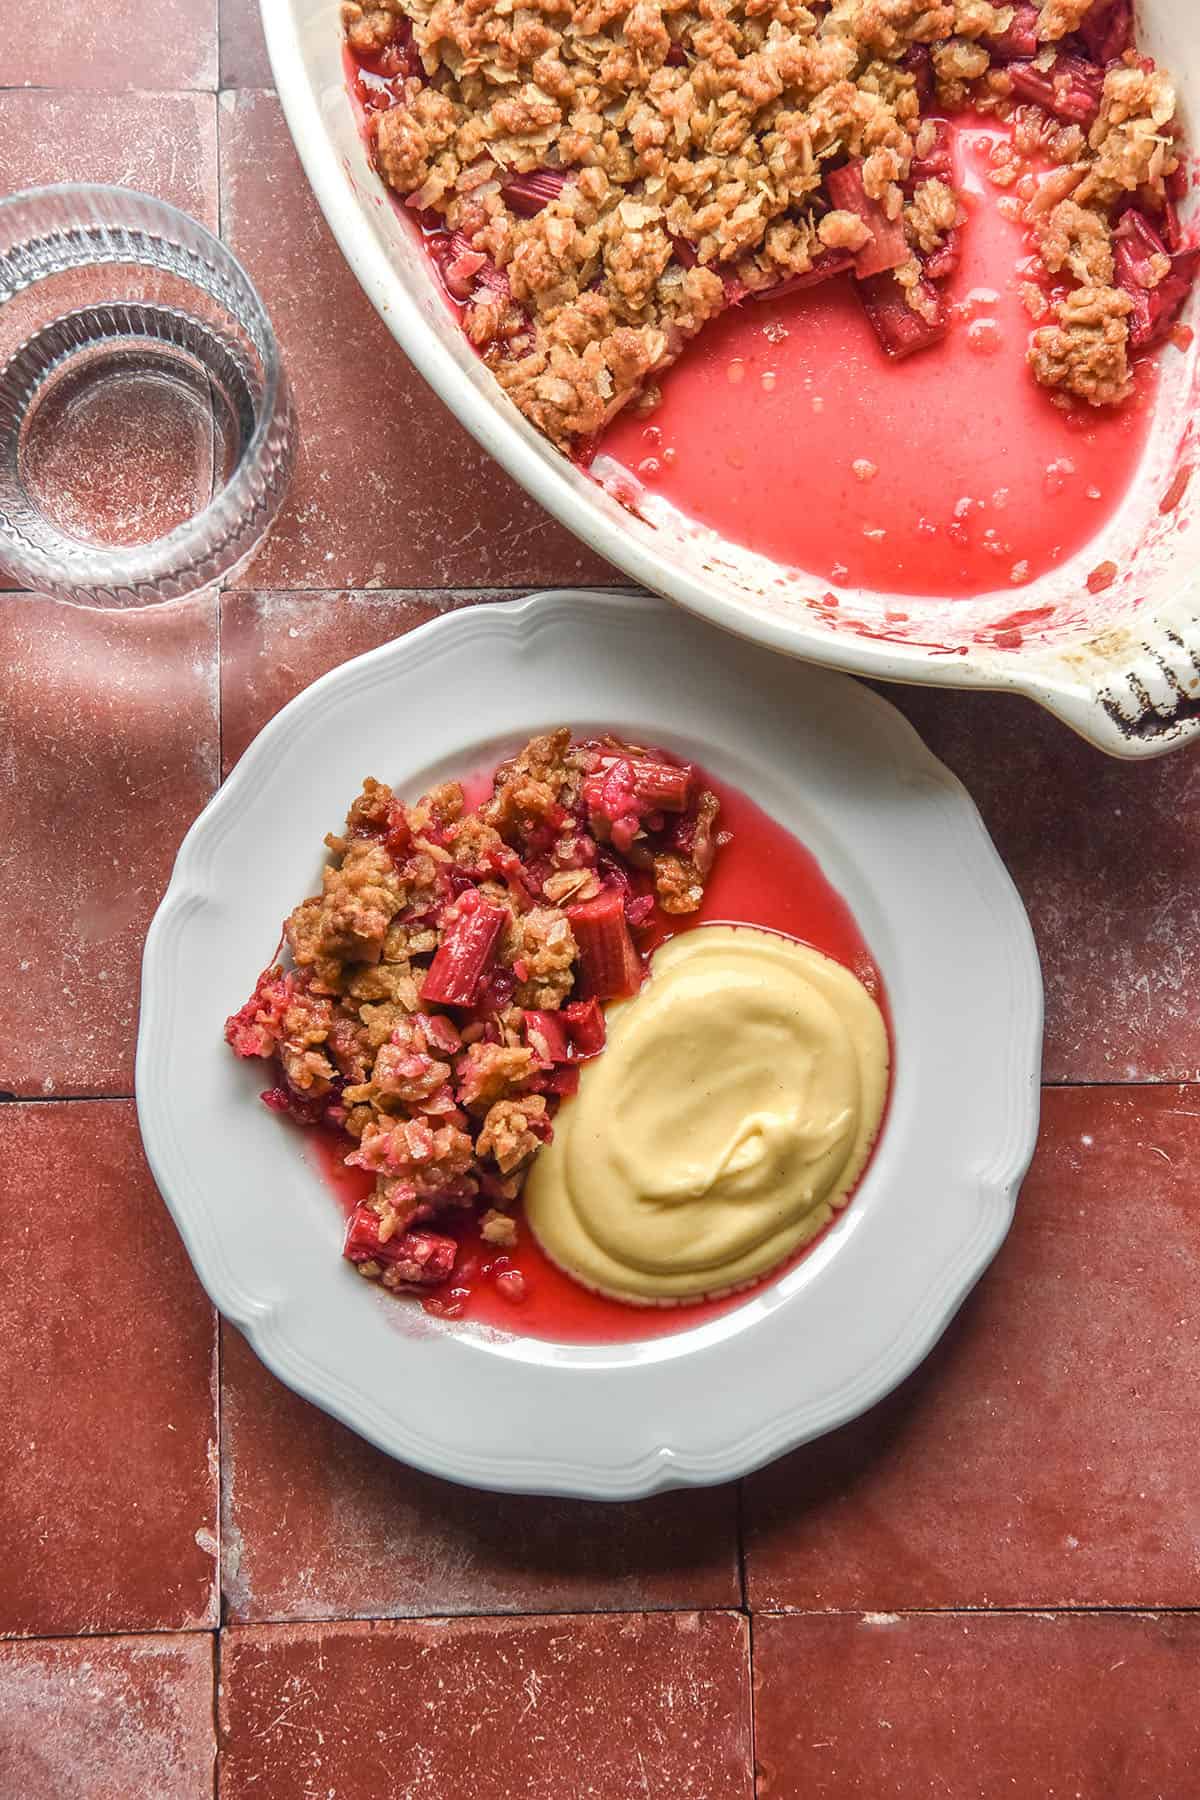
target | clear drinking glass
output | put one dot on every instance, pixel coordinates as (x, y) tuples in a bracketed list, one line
[(147, 433)]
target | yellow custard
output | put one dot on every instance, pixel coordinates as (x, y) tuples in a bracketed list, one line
[(732, 1111)]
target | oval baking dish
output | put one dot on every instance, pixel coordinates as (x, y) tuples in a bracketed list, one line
[(1121, 667)]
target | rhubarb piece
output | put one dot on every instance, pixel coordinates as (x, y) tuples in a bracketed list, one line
[(491, 283), (937, 163), (527, 194), (664, 786), (561, 1080), (608, 959), (495, 994), (1139, 254), (1107, 31), (547, 1036), (940, 264), (735, 288), (1070, 88), (257, 1028), (1018, 40), (626, 792), (466, 951), (900, 330), (585, 1022), (888, 247), (467, 274), (572, 1035), (1177, 189), (460, 270), (416, 1258), (824, 267)]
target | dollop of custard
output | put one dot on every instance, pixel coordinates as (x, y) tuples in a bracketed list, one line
[(731, 1113)]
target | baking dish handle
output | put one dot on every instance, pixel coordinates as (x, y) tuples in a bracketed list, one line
[(1148, 705)]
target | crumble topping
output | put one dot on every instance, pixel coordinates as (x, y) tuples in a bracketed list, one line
[(447, 981), (606, 176)]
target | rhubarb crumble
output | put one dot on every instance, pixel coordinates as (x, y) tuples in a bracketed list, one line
[(600, 178), (448, 980)]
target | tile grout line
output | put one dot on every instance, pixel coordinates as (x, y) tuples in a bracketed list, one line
[(1141, 1610), (10, 1099), (216, 1715), (118, 92), (752, 1706), (17, 1640)]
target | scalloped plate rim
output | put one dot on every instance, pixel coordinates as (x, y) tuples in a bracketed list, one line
[(660, 1465)]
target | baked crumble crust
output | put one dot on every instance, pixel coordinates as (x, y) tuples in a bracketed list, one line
[(613, 174)]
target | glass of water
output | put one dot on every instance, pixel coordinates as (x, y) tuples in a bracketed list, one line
[(147, 432)]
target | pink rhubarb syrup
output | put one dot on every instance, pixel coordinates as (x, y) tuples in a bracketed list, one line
[(765, 877), (969, 477)]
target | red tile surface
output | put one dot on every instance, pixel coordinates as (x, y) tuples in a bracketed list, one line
[(110, 750), (388, 491), (110, 44), (1108, 869), (108, 1719), (886, 1708), (108, 1428), (244, 60), (1041, 1459), (1044, 1455), (317, 1524), (273, 645), (610, 1708), (164, 144)]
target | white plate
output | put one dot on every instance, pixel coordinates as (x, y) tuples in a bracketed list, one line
[(896, 835)]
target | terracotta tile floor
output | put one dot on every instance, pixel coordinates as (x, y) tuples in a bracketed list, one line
[(988, 1587)]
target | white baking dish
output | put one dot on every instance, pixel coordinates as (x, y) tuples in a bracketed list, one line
[(1122, 668)]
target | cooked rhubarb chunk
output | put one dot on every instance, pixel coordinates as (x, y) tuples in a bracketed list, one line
[(824, 267), (609, 961), (585, 1022), (571, 1035), (546, 1035), (887, 246), (1157, 282), (935, 157), (1070, 88), (528, 194), (1019, 39), (419, 1258), (465, 953), (900, 330), (1106, 32)]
